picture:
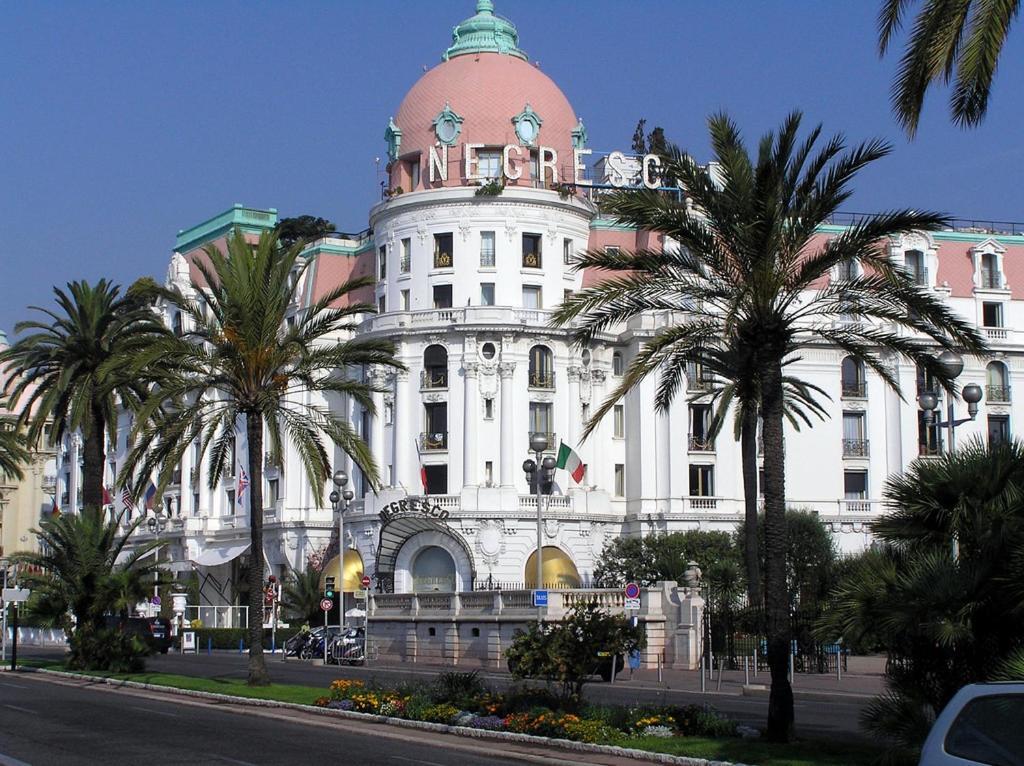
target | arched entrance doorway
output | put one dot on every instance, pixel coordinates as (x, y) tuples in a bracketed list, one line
[(433, 569), (558, 569)]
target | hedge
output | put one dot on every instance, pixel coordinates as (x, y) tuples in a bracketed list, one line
[(228, 638)]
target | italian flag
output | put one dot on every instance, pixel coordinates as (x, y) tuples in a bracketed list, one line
[(570, 461)]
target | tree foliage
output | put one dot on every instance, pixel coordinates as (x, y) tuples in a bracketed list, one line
[(301, 595), (749, 273), (78, 574), (243, 362), (567, 652), (946, 618), (13, 454), (950, 40), (72, 368), (302, 229)]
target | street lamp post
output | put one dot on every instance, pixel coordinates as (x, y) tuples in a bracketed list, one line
[(157, 525), (952, 364), (546, 466), (340, 498)]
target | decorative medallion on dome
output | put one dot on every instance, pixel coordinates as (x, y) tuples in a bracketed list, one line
[(393, 136), (447, 126), (485, 32), (579, 135), (527, 124)]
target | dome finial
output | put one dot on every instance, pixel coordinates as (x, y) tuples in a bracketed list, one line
[(485, 32)]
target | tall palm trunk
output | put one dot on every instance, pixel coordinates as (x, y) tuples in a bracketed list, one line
[(748, 453), (258, 675), (92, 461), (780, 701)]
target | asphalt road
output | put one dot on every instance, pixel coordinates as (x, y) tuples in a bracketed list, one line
[(45, 721), (825, 717)]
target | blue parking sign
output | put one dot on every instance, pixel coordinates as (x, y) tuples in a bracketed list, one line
[(540, 598)]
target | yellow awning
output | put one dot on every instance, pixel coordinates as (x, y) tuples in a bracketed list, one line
[(353, 572)]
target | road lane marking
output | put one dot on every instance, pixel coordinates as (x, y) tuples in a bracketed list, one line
[(233, 760), (21, 709), (6, 760), (415, 760), (13, 686), (158, 712)]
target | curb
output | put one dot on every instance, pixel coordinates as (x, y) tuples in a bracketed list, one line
[(759, 690), (462, 731)]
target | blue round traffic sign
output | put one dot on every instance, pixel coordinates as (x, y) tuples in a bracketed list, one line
[(632, 590)]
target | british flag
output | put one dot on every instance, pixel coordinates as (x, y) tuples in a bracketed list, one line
[(243, 483)]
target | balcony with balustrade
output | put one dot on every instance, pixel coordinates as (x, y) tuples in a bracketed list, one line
[(701, 443), (997, 394), (433, 441), (854, 448), (434, 378)]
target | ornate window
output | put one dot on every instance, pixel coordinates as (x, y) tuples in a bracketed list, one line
[(527, 124), (447, 126), (987, 258), (542, 367), (435, 367), (853, 378), (393, 137), (997, 383)]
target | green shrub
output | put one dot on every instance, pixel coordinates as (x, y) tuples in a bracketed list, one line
[(595, 732), (442, 713), (520, 698), (463, 690), (702, 721), (107, 649)]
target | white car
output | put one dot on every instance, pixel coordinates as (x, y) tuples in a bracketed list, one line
[(983, 724)]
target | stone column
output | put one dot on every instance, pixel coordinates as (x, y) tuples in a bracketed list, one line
[(469, 424), (573, 430), (600, 476), (508, 440), (378, 381), (663, 454), (402, 430)]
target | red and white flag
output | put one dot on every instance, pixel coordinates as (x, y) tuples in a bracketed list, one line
[(570, 461)]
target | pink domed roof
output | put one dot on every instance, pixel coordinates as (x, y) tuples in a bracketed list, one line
[(487, 90)]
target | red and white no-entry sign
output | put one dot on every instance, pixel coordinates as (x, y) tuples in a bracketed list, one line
[(365, 582), (326, 604)]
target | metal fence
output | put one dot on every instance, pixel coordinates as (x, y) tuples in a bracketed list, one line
[(226, 616)]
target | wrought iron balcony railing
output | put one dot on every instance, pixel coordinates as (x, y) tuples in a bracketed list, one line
[(699, 443), (855, 448), (434, 378), (997, 394), (542, 379), (434, 441), (854, 389)]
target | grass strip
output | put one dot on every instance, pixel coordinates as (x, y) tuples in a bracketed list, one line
[(804, 753)]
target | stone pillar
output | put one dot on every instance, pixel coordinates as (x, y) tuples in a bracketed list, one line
[(600, 476), (402, 430), (663, 454), (378, 381), (508, 440), (469, 425), (573, 431)]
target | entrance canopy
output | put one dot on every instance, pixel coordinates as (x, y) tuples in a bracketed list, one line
[(350, 578), (399, 529), (215, 554), (559, 571)]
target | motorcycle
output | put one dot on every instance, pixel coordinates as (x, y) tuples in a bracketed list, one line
[(349, 648)]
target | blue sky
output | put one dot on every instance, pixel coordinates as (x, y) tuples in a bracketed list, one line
[(123, 122)]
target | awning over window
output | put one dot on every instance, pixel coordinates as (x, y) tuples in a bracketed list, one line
[(211, 555)]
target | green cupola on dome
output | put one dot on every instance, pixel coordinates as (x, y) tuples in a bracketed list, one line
[(485, 32)]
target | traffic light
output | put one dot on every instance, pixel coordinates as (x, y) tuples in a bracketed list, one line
[(329, 588)]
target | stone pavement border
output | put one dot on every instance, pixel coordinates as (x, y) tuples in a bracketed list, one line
[(563, 744)]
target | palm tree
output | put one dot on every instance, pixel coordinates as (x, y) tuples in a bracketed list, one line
[(302, 594), (957, 40), (249, 359), (748, 270), (944, 620), (81, 573), (13, 454), (730, 364), (71, 369)]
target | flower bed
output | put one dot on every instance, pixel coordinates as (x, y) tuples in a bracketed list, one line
[(462, 700)]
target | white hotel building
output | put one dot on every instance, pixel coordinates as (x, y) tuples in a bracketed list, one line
[(465, 287)]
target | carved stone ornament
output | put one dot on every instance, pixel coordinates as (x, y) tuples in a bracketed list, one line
[(551, 528), (421, 233), (472, 369), (598, 376), (542, 396), (490, 543), (506, 369), (434, 397), (464, 228), (854, 404), (511, 227), (510, 526), (574, 372), (390, 236), (488, 385)]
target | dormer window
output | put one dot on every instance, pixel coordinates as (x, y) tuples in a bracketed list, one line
[(488, 163), (988, 265), (913, 265), (847, 270)]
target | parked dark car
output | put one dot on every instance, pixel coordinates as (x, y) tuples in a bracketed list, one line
[(154, 632)]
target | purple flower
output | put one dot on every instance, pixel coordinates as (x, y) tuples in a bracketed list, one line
[(340, 705), (488, 722)]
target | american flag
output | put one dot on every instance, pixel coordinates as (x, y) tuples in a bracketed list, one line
[(243, 482), (126, 499)]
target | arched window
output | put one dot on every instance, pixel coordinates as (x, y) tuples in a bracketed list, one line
[(913, 264), (542, 368), (435, 367), (997, 383), (853, 377), (617, 364)]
